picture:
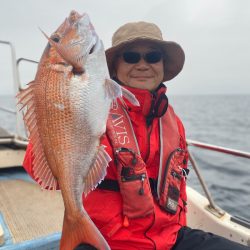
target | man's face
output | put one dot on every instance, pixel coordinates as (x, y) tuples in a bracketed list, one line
[(144, 70)]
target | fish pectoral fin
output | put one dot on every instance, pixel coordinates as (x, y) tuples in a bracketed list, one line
[(81, 229), (97, 171), (113, 89), (131, 97)]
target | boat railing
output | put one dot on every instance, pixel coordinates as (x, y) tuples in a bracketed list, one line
[(13, 64), (18, 61), (211, 206), (20, 143), (19, 138), (8, 110), (218, 149), (17, 86)]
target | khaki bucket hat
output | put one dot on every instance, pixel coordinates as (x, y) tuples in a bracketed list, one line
[(137, 31)]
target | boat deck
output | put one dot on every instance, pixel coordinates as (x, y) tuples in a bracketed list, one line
[(39, 217)]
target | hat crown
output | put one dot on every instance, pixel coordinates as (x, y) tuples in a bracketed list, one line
[(136, 30)]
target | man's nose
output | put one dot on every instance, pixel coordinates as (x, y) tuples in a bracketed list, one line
[(142, 65)]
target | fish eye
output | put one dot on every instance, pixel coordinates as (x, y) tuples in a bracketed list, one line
[(55, 38)]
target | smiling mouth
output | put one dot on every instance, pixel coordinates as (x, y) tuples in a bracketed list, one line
[(140, 77)]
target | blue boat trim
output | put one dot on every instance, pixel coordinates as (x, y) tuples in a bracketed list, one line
[(15, 173), (7, 235), (49, 242)]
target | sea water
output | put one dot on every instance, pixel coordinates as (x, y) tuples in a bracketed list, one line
[(223, 121)]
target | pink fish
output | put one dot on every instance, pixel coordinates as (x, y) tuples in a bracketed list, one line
[(67, 106)]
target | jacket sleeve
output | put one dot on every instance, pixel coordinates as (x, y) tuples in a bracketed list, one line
[(28, 161), (111, 169)]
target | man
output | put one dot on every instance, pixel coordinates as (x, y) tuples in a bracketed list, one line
[(141, 204)]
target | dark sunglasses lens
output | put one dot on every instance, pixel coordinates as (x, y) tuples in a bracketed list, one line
[(153, 57), (131, 57)]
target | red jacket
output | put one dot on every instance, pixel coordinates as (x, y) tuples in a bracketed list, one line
[(155, 231)]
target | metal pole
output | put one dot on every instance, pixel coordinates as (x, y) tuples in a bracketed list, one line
[(20, 88), (15, 79), (219, 149), (212, 205), (8, 110)]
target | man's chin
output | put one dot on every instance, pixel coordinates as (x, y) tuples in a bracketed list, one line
[(141, 81), (141, 85)]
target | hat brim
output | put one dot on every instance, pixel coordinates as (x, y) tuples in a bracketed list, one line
[(174, 56)]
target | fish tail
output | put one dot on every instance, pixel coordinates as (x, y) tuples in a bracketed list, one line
[(81, 230)]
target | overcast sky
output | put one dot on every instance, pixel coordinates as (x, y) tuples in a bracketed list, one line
[(215, 35)]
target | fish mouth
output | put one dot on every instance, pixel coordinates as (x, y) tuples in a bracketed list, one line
[(74, 16), (84, 20), (95, 45), (95, 41), (84, 43), (92, 47)]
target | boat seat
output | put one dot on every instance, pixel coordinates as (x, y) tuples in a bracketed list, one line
[(29, 212)]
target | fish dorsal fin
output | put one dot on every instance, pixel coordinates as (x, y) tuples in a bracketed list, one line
[(98, 171), (42, 171)]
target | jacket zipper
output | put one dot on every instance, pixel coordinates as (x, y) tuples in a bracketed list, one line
[(166, 170), (149, 131)]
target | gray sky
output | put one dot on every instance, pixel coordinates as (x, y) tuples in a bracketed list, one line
[(215, 36)]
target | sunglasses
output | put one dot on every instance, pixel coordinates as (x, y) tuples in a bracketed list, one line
[(149, 57)]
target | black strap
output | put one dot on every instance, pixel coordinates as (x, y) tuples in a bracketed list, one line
[(153, 186), (109, 184), (112, 185)]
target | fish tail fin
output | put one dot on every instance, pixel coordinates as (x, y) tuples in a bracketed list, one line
[(81, 230)]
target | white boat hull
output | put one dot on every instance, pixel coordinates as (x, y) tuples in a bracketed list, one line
[(201, 217)]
